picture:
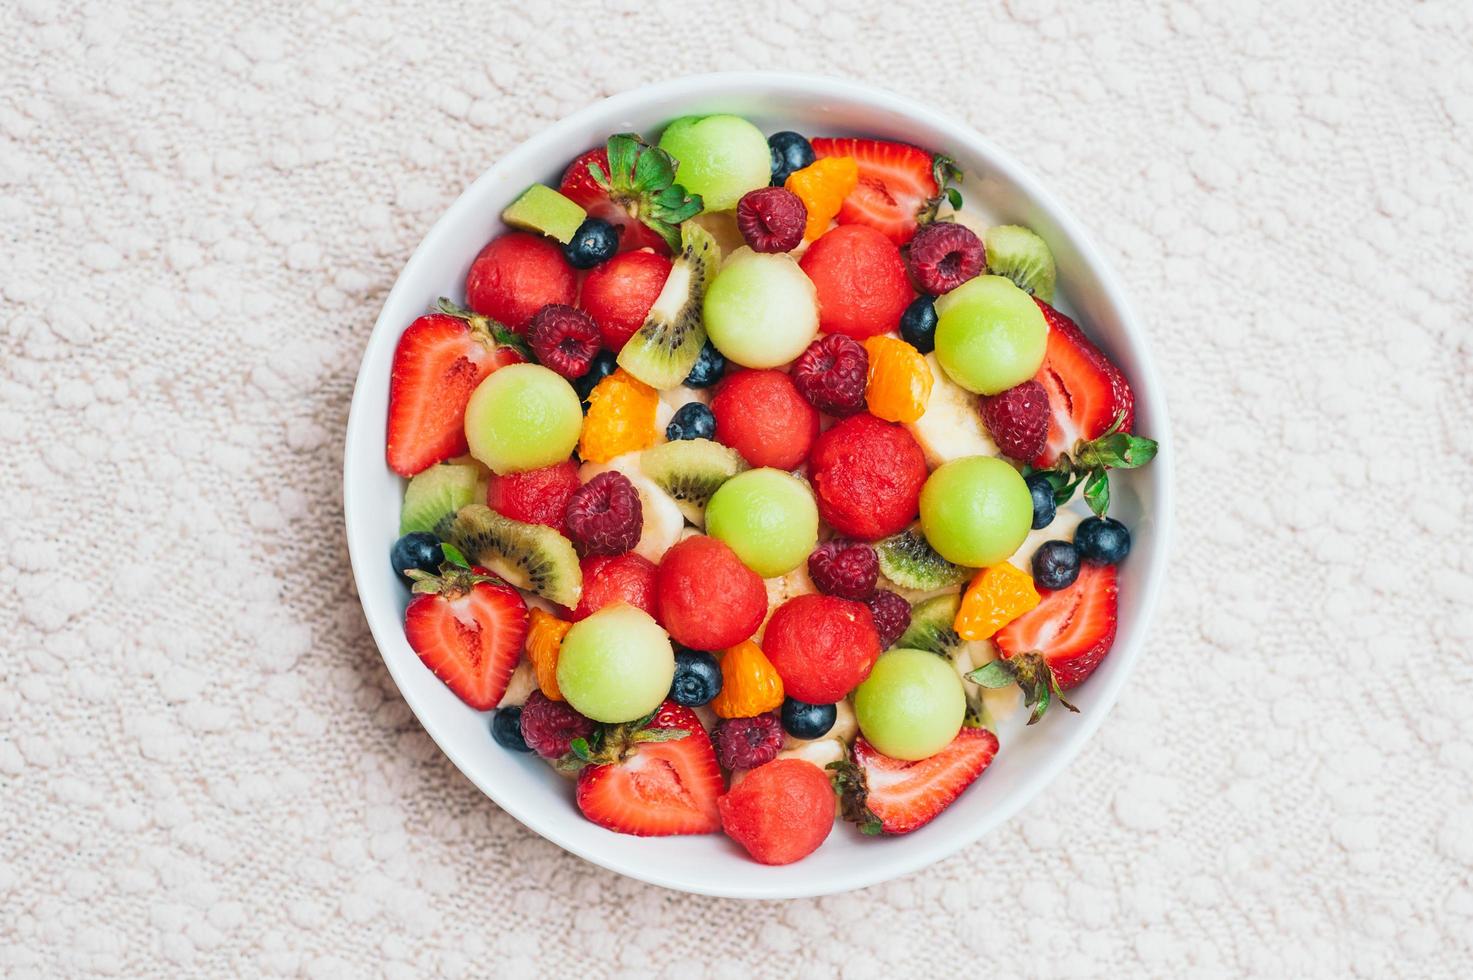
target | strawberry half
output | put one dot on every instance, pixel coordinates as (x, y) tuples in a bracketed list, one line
[(900, 186), (468, 627), (631, 185), (652, 778), (1072, 628), (885, 795), (440, 360), (1086, 392)]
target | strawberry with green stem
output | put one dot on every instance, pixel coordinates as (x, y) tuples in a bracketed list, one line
[(631, 184), (1090, 462), (468, 627)]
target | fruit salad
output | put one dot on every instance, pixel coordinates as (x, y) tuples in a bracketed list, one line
[(755, 482)]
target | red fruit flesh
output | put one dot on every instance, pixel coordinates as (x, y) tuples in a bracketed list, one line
[(579, 187), (622, 578), (895, 183), (1073, 628), (534, 496), (821, 646), (1018, 419), (706, 598), (761, 415), (437, 365), (780, 812), (861, 281), (658, 788), (908, 795), (516, 275), (1086, 392), (619, 294), (471, 641), (867, 475)]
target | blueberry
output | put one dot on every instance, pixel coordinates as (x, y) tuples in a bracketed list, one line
[(594, 242), (710, 366), (918, 324), (1102, 540), (697, 678), (417, 549), (605, 362), (1055, 565), (790, 152), (506, 728), (691, 421), (1043, 500), (804, 720)]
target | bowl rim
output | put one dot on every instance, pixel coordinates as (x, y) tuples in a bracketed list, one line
[(790, 84)]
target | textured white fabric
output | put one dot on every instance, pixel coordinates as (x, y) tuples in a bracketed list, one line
[(205, 768)]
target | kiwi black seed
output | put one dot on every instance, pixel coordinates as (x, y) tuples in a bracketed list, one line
[(528, 556)]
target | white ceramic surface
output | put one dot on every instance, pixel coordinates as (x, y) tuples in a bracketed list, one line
[(526, 787)]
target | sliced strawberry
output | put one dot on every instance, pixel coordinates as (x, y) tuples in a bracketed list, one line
[(891, 796), (440, 360), (650, 781), (1086, 392), (468, 628), (897, 185), (1072, 628), (579, 187)]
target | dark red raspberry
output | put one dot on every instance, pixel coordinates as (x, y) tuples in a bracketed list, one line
[(831, 374), (771, 219), (604, 515), (891, 614), (549, 726), (942, 256), (1018, 419), (746, 743), (848, 569), (564, 339)]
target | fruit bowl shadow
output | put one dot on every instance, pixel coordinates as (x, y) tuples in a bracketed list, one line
[(528, 789)]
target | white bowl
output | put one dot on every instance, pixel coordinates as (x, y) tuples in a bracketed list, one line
[(524, 786)]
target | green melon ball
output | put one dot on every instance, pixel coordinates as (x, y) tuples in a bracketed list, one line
[(990, 335), (976, 511), (721, 158), (768, 517), (911, 705), (761, 311), (523, 417), (616, 665)]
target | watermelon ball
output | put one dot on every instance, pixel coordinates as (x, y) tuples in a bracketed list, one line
[(821, 646), (619, 578), (761, 415), (780, 812), (867, 475), (619, 294), (705, 597), (861, 281), (518, 274)]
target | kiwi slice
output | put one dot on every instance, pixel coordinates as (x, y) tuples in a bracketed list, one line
[(545, 211), (1020, 255), (433, 493), (930, 625), (690, 470), (528, 556), (908, 560), (664, 350)]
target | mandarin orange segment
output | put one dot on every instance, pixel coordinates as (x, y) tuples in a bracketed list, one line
[(998, 595), (899, 383), (621, 418), (822, 187), (750, 685), (545, 634)]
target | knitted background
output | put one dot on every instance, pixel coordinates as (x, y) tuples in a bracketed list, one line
[(204, 767)]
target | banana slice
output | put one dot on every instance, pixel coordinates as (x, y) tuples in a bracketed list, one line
[(1061, 529), (663, 521), (523, 682), (819, 751), (783, 588), (952, 426)]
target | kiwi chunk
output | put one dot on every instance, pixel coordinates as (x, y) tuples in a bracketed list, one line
[(1020, 255), (908, 560), (545, 211), (931, 625), (529, 556), (436, 492), (690, 470), (662, 352)]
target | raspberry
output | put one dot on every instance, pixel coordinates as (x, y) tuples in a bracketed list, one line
[(564, 339), (761, 415), (942, 256), (822, 646), (831, 374), (867, 476), (891, 614), (534, 496), (548, 727), (1018, 419), (746, 743), (771, 219), (623, 578), (847, 569), (604, 516)]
